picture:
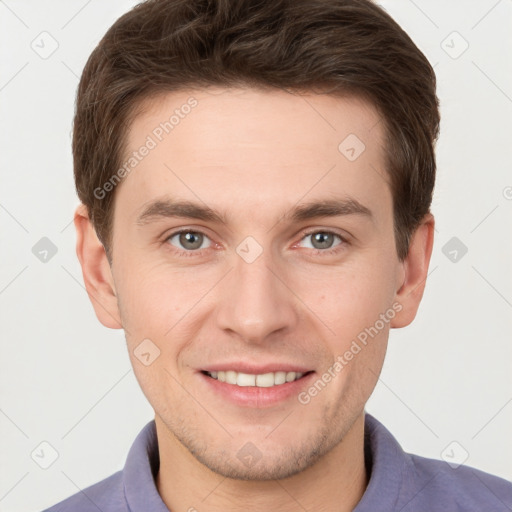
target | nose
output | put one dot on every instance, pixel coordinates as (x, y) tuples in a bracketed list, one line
[(256, 301)]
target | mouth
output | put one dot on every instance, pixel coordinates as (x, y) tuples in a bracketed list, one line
[(262, 380)]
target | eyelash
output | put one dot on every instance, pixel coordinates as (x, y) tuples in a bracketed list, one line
[(344, 242)]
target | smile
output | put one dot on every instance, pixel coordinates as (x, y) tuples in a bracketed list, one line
[(263, 380)]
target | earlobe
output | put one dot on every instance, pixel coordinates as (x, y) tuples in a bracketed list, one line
[(96, 270), (414, 273)]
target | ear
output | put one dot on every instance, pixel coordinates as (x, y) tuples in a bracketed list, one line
[(414, 272), (96, 270)]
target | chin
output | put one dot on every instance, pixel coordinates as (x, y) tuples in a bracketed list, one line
[(245, 461)]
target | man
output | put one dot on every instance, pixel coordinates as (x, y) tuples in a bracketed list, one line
[(256, 181)]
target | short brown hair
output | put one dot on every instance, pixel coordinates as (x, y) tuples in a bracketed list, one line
[(335, 46)]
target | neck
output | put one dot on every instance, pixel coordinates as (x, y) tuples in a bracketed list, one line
[(335, 482)]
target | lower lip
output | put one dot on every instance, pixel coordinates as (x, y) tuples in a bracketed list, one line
[(252, 396)]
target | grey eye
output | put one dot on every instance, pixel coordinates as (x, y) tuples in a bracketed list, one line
[(322, 239), (189, 240)]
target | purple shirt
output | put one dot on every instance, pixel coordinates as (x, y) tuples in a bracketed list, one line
[(398, 481)]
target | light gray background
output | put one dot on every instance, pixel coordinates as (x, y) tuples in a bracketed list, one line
[(67, 380)]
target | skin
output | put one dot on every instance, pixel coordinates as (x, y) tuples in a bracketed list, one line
[(254, 155)]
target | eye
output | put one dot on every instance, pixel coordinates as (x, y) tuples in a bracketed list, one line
[(188, 239), (323, 240)]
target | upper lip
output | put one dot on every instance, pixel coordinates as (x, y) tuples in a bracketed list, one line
[(256, 369)]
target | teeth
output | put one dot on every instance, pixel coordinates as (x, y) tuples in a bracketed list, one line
[(231, 377), (244, 379), (264, 380), (290, 376), (280, 377)]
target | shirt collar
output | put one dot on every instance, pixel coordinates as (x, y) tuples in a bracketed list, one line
[(385, 461), (140, 470), (383, 456)]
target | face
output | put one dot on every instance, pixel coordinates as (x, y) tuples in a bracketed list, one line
[(253, 243)]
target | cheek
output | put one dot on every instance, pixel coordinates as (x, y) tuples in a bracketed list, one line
[(152, 303), (351, 297), (153, 298)]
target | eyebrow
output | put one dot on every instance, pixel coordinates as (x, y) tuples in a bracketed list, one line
[(167, 208)]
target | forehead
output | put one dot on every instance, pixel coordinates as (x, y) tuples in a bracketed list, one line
[(252, 117), (249, 147)]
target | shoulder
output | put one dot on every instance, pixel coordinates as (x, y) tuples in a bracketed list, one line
[(105, 495), (412, 483), (132, 488), (430, 482)]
